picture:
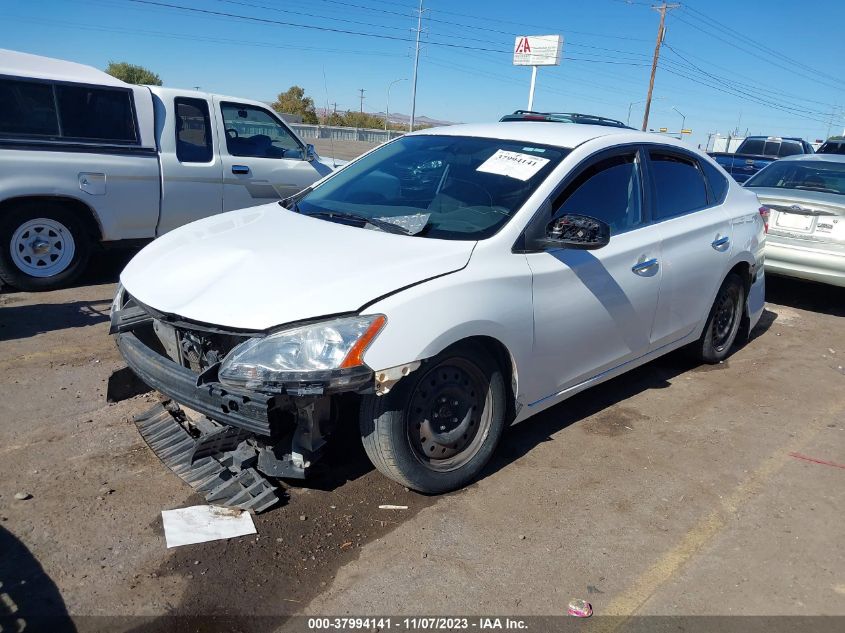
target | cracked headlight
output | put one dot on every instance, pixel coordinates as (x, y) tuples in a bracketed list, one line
[(327, 351)]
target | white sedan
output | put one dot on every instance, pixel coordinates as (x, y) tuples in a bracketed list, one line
[(439, 288)]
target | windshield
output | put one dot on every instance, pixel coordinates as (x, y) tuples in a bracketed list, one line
[(827, 177), (832, 147), (447, 187)]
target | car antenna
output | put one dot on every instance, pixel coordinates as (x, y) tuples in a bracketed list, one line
[(331, 137)]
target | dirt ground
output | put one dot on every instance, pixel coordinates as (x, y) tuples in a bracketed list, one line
[(675, 489)]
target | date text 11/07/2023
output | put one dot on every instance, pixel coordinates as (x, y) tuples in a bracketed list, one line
[(417, 623)]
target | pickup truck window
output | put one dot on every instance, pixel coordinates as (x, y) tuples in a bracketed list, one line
[(678, 185), (752, 146), (193, 131), (610, 190), (100, 114), (252, 131), (788, 148), (27, 109)]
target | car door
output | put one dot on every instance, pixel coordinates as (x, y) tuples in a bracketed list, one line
[(192, 173), (593, 310), (262, 160), (695, 229)]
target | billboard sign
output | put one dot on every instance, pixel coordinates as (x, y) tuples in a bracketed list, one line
[(537, 50)]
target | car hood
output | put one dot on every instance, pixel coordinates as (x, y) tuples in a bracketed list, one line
[(257, 268)]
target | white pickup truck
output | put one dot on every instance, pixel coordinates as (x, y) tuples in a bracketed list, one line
[(86, 159)]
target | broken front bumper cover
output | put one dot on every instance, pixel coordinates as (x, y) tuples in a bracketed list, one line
[(219, 466), (239, 435)]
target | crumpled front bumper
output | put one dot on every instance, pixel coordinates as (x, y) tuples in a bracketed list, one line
[(246, 410)]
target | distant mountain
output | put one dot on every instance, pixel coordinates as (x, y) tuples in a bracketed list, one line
[(400, 119)]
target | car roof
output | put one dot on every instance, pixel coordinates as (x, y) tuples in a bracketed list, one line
[(548, 133), (776, 138), (17, 64), (825, 158)]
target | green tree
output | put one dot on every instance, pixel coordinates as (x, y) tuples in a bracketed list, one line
[(294, 101), (132, 74)]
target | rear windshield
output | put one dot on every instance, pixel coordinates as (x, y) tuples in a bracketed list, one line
[(822, 176), (448, 187)]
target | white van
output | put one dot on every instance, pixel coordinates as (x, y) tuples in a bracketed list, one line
[(86, 159)]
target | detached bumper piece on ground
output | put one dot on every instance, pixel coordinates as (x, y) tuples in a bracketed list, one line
[(218, 464)]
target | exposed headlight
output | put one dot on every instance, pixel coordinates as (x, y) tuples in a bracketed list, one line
[(328, 351)]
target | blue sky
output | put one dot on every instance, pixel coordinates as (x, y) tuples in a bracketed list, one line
[(771, 67)]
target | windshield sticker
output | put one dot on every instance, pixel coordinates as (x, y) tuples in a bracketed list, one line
[(513, 164), (533, 149)]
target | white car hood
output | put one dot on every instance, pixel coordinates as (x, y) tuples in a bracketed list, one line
[(257, 268)]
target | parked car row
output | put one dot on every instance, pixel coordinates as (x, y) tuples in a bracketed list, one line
[(86, 159)]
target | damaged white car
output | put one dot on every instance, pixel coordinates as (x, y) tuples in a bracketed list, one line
[(449, 283)]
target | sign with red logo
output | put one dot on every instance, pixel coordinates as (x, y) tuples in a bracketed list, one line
[(537, 50)]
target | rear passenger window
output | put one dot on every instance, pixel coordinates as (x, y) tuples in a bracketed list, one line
[(100, 114), (789, 149), (610, 190), (717, 181), (27, 109), (678, 185), (193, 131), (752, 146)]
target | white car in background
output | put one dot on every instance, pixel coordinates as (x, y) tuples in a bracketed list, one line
[(446, 284)]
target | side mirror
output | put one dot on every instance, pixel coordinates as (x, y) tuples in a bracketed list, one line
[(310, 153), (576, 231)]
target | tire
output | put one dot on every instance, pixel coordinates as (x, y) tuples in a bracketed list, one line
[(43, 246), (464, 388), (723, 322)]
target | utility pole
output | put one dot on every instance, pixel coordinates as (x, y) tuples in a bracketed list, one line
[(361, 90), (662, 9), (416, 66)]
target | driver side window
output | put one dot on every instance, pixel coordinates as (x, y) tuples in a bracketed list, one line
[(252, 131), (609, 190)]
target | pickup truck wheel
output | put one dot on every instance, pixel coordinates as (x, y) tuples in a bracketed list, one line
[(437, 428), (723, 322), (44, 246)]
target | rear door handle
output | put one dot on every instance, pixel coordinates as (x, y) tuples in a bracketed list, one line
[(644, 267), (721, 243), (240, 169)]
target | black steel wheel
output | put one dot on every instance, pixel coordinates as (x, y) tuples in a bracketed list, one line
[(437, 428), (723, 322)]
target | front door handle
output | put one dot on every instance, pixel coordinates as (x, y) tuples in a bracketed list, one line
[(240, 169), (721, 243), (643, 268)]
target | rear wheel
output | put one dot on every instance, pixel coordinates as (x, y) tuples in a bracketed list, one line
[(723, 322), (43, 245), (437, 428)]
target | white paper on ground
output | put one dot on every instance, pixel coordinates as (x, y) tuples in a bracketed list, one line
[(199, 524), (514, 164)]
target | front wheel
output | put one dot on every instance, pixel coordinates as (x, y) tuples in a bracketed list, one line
[(723, 322), (437, 428), (43, 246)]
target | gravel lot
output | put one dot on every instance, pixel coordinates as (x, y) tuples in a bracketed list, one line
[(674, 489)]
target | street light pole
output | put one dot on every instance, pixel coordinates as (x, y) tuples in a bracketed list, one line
[(387, 107), (683, 120), (416, 67)]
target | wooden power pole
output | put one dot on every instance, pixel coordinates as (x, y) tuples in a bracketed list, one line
[(662, 9)]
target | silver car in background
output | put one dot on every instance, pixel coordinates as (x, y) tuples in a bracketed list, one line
[(806, 230)]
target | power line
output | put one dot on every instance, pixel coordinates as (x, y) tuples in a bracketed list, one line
[(778, 53), (307, 26)]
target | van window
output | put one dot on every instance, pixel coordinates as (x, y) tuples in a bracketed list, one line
[(193, 131), (27, 109), (100, 114), (678, 185)]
